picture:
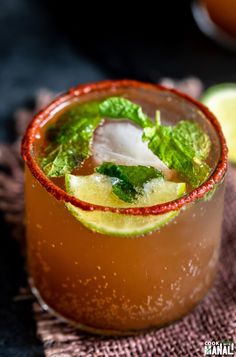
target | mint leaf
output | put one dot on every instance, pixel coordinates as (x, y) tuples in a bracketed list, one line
[(69, 139), (124, 190), (122, 108), (192, 140), (58, 161), (182, 147), (128, 181)]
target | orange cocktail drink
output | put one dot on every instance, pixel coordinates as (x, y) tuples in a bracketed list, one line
[(119, 238)]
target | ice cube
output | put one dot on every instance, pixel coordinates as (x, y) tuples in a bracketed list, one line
[(121, 143)]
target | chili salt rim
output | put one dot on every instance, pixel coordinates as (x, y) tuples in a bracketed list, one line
[(83, 89)]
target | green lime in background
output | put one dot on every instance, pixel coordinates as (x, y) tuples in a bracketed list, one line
[(221, 100)]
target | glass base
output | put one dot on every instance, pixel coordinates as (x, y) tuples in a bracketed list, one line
[(74, 324), (97, 331), (209, 28)]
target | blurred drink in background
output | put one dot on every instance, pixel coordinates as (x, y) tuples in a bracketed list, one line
[(223, 13), (217, 19)]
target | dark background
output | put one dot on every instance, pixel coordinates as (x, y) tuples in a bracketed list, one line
[(45, 44)]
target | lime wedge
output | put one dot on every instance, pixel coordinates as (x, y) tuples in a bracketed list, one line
[(221, 100), (97, 189)]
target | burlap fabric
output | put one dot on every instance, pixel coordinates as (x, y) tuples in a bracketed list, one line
[(213, 320)]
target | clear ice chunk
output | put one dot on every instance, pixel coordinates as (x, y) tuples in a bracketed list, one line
[(121, 143)]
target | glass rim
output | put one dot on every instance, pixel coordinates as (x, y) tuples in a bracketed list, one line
[(83, 89)]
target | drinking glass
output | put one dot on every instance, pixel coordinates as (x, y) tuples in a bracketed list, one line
[(115, 285)]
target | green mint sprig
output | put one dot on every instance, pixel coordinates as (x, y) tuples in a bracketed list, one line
[(69, 139), (128, 181), (183, 147)]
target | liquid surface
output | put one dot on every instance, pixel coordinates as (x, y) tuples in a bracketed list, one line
[(119, 142)]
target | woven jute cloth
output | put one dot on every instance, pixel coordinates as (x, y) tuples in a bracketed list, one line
[(214, 319)]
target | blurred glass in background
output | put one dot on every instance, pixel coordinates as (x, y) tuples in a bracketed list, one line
[(217, 19)]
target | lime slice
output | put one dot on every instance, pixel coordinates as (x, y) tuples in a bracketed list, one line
[(97, 189), (221, 100)]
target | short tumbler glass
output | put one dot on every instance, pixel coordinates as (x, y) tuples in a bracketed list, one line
[(112, 285)]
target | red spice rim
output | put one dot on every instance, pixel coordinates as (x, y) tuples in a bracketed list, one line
[(83, 89)]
